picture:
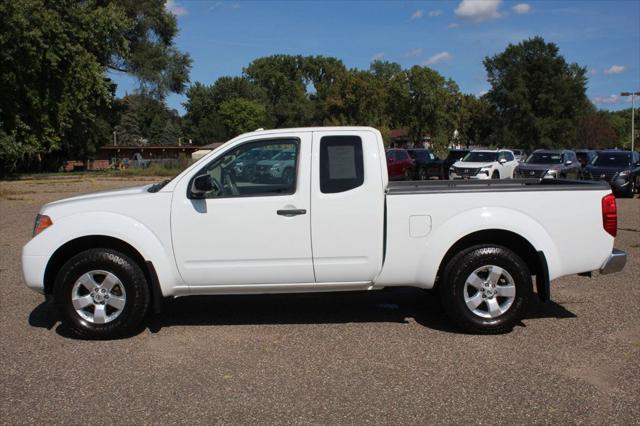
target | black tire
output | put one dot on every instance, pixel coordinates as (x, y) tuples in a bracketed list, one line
[(422, 174), (495, 175), (130, 276), (456, 273), (408, 174)]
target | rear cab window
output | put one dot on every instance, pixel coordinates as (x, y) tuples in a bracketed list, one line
[(341, 164)]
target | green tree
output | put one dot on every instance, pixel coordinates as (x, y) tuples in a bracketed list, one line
[(282, 77), (241, 115), (128, 131), (423, 101), (150, 55), (538, 96), (56, 100), (595, 131)]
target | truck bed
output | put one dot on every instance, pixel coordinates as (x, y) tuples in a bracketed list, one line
[(503, 185)]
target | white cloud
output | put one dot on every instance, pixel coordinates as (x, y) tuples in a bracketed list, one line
[(377, 57), (522, 8), (413, 53), (417, 14), (436, 12), (611, 99), (615, 69), (173, 7), (452, 25), (438, 57), (478, 10)]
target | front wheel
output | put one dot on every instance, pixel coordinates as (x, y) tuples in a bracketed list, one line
[(485, 289), (102, 294), (495, 175)]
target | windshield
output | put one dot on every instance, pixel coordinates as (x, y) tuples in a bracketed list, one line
[(480, 156), (612, 159), (454, 155), (545, 158)]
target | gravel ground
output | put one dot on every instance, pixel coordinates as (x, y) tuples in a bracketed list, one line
[(376, 357)]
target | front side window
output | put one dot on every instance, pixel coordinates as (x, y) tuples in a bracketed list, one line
[(256, 168), (341, 163)]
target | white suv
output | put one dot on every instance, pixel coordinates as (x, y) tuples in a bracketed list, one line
[(485, 164)]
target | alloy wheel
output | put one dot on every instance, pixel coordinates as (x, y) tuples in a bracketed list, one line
[(489, 291), (98, 297)]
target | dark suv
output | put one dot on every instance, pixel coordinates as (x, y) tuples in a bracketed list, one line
[(543, 163), (454, 156), (620, 168), (427, 164)]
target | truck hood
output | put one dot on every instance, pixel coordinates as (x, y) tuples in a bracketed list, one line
[(111, 195), (525, 166)]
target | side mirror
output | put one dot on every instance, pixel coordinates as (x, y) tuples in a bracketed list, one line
[(502, 160), (390, 160), (201, 185), (568, 163)]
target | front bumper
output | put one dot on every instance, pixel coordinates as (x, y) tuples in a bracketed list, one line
[(482, 176), (33, 268), (615, 262)]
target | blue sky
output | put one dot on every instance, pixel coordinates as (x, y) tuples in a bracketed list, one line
[(452, 37)]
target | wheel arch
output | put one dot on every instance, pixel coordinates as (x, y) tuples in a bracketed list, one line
[(535, 259), (80, 244)]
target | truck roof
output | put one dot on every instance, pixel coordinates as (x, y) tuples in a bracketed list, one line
[(309, 129)]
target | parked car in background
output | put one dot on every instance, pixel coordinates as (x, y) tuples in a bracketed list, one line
[(281, 167), (550, 164), (400, 165), (244, 166), (620, 168), (427, 164), (453, 156), (585, 156), (519, 154), (485, 164)]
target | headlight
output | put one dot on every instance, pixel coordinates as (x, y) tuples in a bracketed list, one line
[(42, 222), (485, 170), (624, 173), (550, 174)]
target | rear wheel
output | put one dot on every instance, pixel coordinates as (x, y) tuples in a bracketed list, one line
[(102, 294), (485, 289)]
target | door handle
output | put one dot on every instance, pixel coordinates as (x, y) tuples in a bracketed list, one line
[(291, 212)]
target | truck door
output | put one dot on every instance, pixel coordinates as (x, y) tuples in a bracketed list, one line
[(347, 206), (253, 228)]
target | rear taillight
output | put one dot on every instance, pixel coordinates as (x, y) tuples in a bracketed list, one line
[(610, 214)]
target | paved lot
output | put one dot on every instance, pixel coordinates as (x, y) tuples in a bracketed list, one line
[(377, 357)]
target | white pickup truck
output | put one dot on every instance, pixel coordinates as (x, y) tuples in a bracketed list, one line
[(336, 224)]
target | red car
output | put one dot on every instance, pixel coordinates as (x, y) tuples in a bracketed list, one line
[(400, 164)]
